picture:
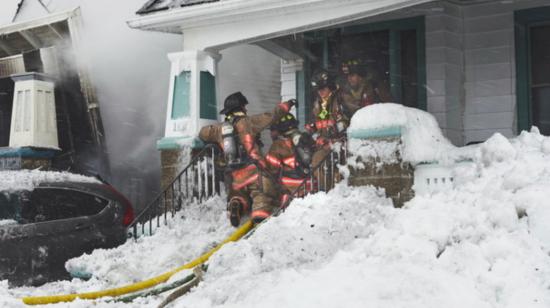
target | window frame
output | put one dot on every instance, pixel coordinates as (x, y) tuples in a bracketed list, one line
[(524, 20), (394, 27)]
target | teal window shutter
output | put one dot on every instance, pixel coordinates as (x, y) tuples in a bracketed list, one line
[(180, 102), (208, 106)]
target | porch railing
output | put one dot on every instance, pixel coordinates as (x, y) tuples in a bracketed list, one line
[(198, 181)]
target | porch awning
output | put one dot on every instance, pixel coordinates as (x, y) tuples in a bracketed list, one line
[(229, 22), (17, 38)]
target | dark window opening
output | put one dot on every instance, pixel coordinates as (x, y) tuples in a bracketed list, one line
[(9, 206), (6, 104), (540, 77), (409, 66), (46, 204), (392, 53)]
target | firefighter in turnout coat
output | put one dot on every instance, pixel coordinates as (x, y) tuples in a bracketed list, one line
[(249, 192), (330, 122), (289, 157), (360, 89)]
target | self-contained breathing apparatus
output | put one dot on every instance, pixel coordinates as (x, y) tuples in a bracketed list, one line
[(234, 153), (303, 149)]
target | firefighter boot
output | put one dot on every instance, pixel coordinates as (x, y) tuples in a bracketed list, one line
[(235, 209)]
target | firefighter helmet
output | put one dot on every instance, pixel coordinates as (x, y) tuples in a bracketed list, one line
[(286, 123), (234, 102), (322, 79), (354, 66)]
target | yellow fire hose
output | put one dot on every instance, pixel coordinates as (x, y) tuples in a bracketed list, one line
[(41, 300)]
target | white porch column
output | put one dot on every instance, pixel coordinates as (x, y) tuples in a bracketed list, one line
[(191, 98), (33, 121)]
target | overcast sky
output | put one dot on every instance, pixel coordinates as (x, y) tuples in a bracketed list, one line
[(7, 10)]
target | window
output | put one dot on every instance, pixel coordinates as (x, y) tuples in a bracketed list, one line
[(532, 29), (393, 53), (180, 101), (9, 206), (208, 107), (6, 104), (47, 204)]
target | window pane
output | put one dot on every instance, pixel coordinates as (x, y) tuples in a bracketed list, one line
[(409, 71), (541, 109), (9, 206), (52, 204), (540, 55), (540, 77)]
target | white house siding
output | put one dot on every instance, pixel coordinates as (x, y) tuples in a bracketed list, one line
[(490, 68), (470, 66), (256, 73), (253, 71)]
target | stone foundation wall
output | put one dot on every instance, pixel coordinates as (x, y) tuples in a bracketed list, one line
[(397, 179), (172, 162), (377, 162)]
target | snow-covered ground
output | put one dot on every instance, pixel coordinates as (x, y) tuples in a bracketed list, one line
[(28, 179), (485, 242)]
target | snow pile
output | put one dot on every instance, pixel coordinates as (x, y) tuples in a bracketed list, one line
[(195, 230), (421, 138), (483, 243), (28, 179)]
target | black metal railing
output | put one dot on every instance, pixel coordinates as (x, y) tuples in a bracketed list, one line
[(323, 176), (198, 181)]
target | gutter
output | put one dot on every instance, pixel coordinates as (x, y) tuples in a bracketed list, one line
[(222, 11), (38, 22)]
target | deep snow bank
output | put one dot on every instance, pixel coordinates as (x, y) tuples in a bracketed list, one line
[(483, 243)]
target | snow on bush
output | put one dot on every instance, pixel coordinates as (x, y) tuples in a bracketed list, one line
[(421, 138), (28, 179)]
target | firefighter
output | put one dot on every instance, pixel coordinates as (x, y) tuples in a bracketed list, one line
[(330, 122), (361, 88), (290, 155), (250, 190)]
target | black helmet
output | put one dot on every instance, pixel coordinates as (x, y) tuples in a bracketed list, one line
[(351, 67), (234, 102), (286, 123), (323, 79)]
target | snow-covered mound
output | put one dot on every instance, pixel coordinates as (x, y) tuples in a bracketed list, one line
[(483, 243), (28, 179), (196, 229), (421, 138)]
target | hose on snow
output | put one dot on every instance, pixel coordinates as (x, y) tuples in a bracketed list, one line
[(145, 284)]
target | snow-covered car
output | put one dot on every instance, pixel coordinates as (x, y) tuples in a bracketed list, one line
[(41, 228)]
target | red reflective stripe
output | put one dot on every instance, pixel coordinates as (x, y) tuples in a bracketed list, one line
[(284, 199), (291, 181), (273, 161), (244, 170), (325, 123), (248, 142), (290, 161), (260, 214), (249, 181)]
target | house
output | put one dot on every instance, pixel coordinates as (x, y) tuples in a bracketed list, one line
[(479, 66), (107, 83)]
